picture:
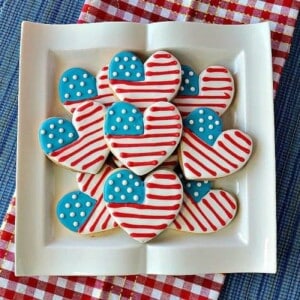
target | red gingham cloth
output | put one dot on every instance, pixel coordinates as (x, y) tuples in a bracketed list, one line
[(282, 15), (109, 287)]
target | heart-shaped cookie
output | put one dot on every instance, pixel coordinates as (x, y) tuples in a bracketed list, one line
[(206, 152), (213, 88), (77, 85), (204, 210), (143, 209), (79, 146), (142, 142), (144, 84)]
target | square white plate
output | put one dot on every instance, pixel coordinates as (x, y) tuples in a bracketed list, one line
[(44, 247)]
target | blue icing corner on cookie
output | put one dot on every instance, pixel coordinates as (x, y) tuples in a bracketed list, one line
[(77, 84), (205, 124), (127, 66), (123, 186), (189, 82), (73, 209), (123, 118), (56, 133)]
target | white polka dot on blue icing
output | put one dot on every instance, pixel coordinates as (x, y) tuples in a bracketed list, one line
[(58, 134), (127, 191), (123, 119), (196, 189), (121, 67), (204, 127), (73, 216), (77, 84), (189, 83)]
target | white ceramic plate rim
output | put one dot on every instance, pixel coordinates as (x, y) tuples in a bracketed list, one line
[(248, 245)]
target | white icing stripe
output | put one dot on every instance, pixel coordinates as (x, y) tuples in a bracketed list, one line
[(214, 212), (163, 199), (142, 154), (230, 152), (170, 163), (100, 218), (216, 91), (161, 82), (89, 151)]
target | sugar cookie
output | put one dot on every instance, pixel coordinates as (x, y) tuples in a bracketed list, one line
[(143, 208), (142, 142), (213, 88), (207, 152)]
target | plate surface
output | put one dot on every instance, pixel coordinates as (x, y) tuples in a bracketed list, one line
[(44, 247)]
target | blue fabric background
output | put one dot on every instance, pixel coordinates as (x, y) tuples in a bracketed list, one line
[(286, 283), (12, 13)]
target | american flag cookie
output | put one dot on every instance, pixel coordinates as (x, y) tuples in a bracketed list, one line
[(142, 142), (207, 152), (78, 145), (158, 79), (77, 85), (204, 210), (143, 208), (213, 88), (84, 211)]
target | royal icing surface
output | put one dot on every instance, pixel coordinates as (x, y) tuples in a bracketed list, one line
[(56, 133), (209, 156), (143, 209), (170, 163), (213, 88), (92, 185), (144, 84), (204, 210), (77, 85), (124, 119), (162, 126), (73, 210), (88, 151)]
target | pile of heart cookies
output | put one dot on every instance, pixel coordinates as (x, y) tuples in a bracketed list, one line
[(145, 140)]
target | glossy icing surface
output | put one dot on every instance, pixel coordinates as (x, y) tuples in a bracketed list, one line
[(214, 88), (77, 84), (199, 160), (55, 133), (162, 202), (73, 209), (123, 118), (205, 124), (162, 133), (215, 210)]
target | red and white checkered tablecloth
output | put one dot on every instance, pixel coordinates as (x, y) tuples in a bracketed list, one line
[(282, 15), (110, 287)]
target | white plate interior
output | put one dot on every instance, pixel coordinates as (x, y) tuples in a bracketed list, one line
[(45, 247)]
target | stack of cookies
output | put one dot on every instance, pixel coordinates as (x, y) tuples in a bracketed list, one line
[(146, 140)]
